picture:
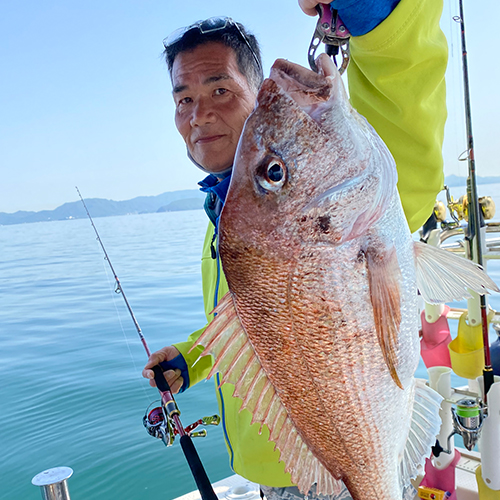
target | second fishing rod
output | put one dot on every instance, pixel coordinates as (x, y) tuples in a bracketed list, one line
[(474, 227), (165, 422)]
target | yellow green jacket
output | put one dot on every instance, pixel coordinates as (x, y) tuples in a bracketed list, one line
[(396, 80)]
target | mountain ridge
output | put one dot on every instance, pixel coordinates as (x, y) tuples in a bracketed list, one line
[(170, 201), (188, 199)]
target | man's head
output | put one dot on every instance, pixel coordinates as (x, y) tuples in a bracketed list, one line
[(221, 30), (216, 71)]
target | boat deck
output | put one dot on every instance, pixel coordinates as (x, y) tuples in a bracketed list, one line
[(238, 488)]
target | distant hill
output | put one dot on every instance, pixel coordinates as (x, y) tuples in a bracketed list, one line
[(186, 204), (189, 199), (454, 180)]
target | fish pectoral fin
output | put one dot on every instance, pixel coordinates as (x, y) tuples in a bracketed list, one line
[(236, 361), (443, 276), (225, 339), (424, 427), (384, 276)]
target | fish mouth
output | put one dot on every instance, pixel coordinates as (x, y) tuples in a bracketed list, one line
[(303, 85)]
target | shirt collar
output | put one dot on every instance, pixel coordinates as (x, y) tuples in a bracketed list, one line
[(212, 184)]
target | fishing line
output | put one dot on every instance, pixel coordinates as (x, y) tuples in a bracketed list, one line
[(127, 341), (168, 415)]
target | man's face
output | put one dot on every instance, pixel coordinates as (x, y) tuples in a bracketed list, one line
[(213, 100)]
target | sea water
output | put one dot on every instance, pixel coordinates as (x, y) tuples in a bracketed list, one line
[(70, 358), (71, 387)]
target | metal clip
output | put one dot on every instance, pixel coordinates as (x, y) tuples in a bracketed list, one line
[(331, 31)]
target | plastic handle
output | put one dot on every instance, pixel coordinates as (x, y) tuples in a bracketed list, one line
[(199, 474), (192, 457), (161, 383)]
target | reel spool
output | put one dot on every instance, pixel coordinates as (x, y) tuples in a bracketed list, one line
[(468, 420), (159, 425)]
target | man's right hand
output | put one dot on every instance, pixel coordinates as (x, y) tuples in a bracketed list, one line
[(173, 377)]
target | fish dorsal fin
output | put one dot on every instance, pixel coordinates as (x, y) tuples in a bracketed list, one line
[(443, 276), (235, 359), (424, 426), (384, 276)]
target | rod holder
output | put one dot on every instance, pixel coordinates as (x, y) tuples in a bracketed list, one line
[(440, 381), (53, 483)]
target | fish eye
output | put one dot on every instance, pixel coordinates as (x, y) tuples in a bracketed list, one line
[(272, 174), (275, 172)]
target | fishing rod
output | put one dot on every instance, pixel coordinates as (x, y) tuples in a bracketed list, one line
[(169, 410), (474, 236)]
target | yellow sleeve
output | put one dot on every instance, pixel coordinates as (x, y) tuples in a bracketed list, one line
[(209, 273), (396, 80)]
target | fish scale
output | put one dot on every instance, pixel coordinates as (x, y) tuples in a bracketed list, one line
[(293, 293), (286, 359), (337, 375), (321, 270)]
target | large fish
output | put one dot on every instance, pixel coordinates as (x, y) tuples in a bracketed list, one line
[(319, 330)]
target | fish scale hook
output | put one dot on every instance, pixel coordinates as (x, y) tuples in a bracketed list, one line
[(331, 31)]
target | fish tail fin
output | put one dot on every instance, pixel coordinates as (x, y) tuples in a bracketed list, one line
[(443, 276), (424, 427)]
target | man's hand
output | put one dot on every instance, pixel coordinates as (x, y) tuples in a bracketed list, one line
[(173, 377), (308, 6)]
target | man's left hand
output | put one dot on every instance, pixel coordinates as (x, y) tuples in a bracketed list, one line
[(309, 6)]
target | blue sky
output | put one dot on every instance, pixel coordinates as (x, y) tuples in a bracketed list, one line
[(85, 97)]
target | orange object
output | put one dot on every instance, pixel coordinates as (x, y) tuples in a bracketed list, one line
[(426, 493)]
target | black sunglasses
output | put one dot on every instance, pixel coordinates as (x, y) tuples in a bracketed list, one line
[(209, 26)]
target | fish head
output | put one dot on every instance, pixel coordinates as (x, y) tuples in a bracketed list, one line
[(308, 167)]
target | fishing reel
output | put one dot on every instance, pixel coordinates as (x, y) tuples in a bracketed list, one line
[(161, 426), (468, 420), (459, 209)]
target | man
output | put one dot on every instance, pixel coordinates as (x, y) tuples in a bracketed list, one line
[(396, 80)]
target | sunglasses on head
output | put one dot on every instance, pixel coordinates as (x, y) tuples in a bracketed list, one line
[(207, 26)]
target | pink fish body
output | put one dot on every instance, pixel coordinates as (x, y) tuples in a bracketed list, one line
[(319, 330)]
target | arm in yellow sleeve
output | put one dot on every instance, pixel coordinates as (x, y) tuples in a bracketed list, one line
[(396, 80), (209, 272)]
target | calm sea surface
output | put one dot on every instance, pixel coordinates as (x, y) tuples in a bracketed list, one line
[(71, 389)]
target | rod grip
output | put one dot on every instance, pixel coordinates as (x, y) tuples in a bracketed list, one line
[(161, 383), (488, 379), (199, 474)]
